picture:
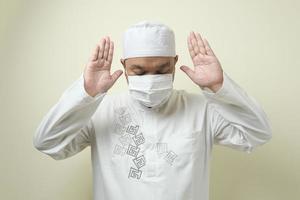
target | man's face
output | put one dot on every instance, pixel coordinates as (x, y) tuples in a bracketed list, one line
[(149, 65)]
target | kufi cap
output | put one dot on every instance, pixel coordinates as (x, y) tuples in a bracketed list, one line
[(147, 38)]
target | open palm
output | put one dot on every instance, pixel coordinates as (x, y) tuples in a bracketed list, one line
[(207, 68), (97, 75)]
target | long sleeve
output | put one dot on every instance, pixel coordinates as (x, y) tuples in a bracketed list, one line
[(236, 119), (67, 127)]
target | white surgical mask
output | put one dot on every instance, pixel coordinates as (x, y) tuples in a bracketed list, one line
[(151, 90)]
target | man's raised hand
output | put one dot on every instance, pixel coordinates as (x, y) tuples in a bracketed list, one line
[(207, 69), (97, 75)]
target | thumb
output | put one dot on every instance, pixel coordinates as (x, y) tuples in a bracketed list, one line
[(188, 71), (116, 75)]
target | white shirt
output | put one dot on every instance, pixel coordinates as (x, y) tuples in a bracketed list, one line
[(152, 154)]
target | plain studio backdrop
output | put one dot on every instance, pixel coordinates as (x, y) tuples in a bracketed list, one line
[(44, 48)]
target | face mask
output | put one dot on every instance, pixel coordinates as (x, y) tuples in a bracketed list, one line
[(151, 90)]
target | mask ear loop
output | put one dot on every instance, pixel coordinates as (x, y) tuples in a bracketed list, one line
[(125, 71), (126, 76)]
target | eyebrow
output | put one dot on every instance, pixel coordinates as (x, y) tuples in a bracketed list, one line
[(137, 66), (159, 66)]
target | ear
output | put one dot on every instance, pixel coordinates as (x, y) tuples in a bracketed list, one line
[(126, 78), (122, 62), (176, 59), (124, 66)]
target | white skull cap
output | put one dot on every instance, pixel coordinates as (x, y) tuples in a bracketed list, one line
[(147, 38)]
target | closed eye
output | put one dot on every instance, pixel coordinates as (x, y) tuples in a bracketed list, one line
[(164, 71), (139, 73)]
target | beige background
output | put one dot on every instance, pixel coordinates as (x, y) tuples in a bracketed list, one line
[(45, 45)]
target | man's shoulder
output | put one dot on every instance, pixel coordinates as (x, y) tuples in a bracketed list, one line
[(115, 99), (189, 95), (116, 96), (111, 101)]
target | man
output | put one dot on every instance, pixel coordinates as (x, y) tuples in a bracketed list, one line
[(152, 141)]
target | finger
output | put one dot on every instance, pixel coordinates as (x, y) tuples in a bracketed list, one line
[(194, 43), (188, 71), (106, 49), (209, 51), (116, 75), (111, 52), (200, 43), (102, 45), (190, 47), (94, 55)]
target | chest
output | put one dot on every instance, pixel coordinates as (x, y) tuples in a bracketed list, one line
[(141, 144)]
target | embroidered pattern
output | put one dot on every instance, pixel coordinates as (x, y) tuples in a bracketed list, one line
[(140, 161), (170, 157), (131, 140), (125, 139), (133, 150), (134, 173), (119, 150), (161, 148), (119, 129), (138, 139), (162, 151), (125, 119), (132, 129)]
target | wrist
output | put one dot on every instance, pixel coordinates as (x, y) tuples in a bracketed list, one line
[(215, 88)]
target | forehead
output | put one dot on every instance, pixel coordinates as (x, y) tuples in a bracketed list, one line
[(148, 61)]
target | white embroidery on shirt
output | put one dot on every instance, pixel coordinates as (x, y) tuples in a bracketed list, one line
[(134, 173), (119, 150), (125, 140), (170, 157), (140, 161), (125, 119), (161, 148), (132, 129), (138, 139), (162, 151), (131, 142), (119, 129), (133, 150)]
